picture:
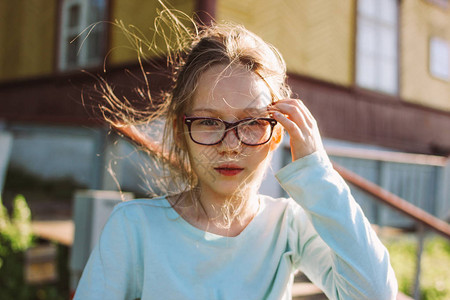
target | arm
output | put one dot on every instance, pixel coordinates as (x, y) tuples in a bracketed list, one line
[(110, 271), (336, 247)]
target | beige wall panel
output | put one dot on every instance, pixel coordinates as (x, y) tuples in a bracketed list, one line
[(140, 14), (27, 36), (3, 31), (315, 37), (9, 39), (420, 20)]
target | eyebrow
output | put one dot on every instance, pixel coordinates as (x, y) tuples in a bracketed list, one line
[(205, 109), (253, 110)]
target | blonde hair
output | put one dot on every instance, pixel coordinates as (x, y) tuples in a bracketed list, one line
[(196, 49)]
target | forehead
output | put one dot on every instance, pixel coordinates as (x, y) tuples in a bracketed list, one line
[(231, 90)]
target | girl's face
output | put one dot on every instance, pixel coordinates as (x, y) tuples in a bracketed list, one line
[(229, 94)]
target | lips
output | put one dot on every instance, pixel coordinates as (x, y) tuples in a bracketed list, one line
[(229, 169)]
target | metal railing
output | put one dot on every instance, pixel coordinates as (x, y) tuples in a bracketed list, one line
[(424, 219), (395, 202)]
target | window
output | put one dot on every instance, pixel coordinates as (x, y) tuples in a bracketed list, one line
[(88, 49), (439, 58), (376, 45)]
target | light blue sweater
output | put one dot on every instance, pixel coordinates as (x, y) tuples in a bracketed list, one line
[(148, 251)]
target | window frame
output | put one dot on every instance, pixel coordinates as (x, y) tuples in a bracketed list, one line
[(377, 90), (80, 31)]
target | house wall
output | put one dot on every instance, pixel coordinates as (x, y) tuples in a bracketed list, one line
[(138, 15), (315, 37), (421, 20), (27, 38)]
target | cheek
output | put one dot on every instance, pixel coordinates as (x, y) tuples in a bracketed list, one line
[(260, 156), (200, 156)]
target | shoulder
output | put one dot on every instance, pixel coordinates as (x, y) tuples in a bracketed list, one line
[(134, 210), (143, 203)]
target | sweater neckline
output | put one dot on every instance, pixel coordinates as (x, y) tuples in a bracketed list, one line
[(214, 238)]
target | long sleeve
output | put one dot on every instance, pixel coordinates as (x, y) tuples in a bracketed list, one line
[(112, 269), (336, 246)]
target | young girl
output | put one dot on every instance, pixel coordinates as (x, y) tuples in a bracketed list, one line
[(218, 238)]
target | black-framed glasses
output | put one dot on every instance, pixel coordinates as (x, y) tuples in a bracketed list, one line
[(212, 131)]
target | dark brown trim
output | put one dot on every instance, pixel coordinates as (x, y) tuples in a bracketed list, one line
[(205, 11), (57, 77), (365, 94), (344, 113), (71, 98)]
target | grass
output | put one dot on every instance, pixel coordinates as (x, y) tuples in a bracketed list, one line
[(435, 267)]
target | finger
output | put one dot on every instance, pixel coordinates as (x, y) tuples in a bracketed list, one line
[(291, 127), (310, 120), (294, 112)]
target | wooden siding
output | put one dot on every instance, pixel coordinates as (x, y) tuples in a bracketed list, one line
[(357, 115), (342, 113), (65, 99), (420, 20), (315, 37), (27, 38), (140, 14)]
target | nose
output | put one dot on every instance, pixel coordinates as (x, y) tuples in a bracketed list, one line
[(231, 139)]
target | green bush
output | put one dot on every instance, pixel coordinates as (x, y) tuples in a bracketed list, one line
[(15, 238), (435, 279), (435, 271)]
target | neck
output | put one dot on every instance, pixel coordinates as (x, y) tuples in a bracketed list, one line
[(212, 217), (242, 205)]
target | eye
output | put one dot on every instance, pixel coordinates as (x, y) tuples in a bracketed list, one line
[(256, 122), (208, 122)]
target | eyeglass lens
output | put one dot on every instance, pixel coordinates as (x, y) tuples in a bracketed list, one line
[(211, 131)]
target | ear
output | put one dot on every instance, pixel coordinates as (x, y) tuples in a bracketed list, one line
[(277, 137)]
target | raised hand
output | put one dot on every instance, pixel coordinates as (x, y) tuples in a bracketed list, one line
[(301, 126)]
